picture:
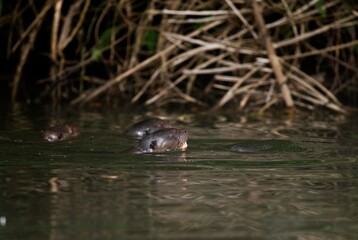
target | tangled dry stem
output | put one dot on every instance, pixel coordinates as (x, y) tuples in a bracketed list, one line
[(207, 52)]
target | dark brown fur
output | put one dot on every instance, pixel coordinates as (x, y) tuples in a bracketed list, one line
[(163, 140), (145, 127), (60, 133)]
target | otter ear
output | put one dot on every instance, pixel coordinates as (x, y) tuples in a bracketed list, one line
[(153, 145)]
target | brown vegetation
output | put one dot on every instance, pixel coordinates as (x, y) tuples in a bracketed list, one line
[(206, 52)]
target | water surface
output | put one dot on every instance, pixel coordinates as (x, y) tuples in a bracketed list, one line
[(85, 188)]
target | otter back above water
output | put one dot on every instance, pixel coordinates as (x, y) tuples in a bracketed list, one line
[(256, 146)]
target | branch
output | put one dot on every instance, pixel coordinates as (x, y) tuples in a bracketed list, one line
[(276, 66)]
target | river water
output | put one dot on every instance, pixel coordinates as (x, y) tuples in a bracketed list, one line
[(306, 187)]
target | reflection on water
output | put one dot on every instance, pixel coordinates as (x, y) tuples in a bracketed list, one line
[(86, 188)]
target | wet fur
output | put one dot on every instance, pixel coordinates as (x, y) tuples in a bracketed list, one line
[(166, 139), (60, 133), (146, 127)]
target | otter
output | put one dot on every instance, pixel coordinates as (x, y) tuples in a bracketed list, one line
[(60, 133), (147, 126), (162, 140), (250, 148), (274, 145)]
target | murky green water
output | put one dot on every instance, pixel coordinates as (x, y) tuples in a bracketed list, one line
[(86, 189)]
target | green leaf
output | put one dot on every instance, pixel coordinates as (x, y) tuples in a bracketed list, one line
[(104, 41), (319, 5), (151, 40), (96, 54), (105, 38)]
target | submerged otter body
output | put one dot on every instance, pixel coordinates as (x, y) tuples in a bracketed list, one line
[(147, 126), (250, 148), (60, 133), (274, 145), (162, 140)]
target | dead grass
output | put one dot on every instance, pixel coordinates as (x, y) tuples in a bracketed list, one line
[(209, 53)]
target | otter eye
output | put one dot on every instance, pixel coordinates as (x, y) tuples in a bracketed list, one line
[(60, 136), (153, 145)]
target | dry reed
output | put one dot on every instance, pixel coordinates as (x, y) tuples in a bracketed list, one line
[(209, 53)]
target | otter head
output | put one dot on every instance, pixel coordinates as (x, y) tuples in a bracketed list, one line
[(146, 127), (60, 133), (166, 139)]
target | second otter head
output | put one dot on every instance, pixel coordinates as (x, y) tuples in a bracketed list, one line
[(166, 139), (147, 126)]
